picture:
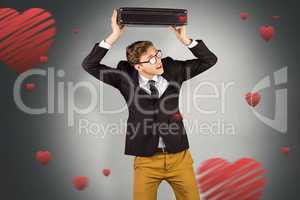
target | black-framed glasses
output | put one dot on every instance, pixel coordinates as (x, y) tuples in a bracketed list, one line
[(153, 59)]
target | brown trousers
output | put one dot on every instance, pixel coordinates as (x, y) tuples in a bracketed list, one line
[(175, 168)]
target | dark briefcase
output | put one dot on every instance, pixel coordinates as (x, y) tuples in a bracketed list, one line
[(133, 16)]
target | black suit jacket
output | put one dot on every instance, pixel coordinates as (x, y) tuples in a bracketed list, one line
[(150, 117)]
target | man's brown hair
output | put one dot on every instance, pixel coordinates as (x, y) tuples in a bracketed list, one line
[(136, 49)]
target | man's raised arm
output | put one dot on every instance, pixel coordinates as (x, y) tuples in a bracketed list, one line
[(91, 62), (204, 60)]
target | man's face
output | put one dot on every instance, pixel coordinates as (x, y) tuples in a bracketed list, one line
[(150, 69)]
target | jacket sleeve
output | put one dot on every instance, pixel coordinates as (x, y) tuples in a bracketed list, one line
[(92, 65), (204, 60)]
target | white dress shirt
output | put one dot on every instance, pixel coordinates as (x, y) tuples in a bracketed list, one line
[(160, 82), (108, 46)]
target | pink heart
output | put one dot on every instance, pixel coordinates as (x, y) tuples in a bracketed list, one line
[(25, 37), (106, 172), (267, 32), (76, 30), (218, 179), (80, 182), (43, 59), (244, 15), (43, 157), (253, 98)]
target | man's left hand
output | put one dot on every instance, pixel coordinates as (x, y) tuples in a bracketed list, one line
[(180, 32)]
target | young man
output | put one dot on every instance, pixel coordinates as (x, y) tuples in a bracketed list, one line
[(150, 85)]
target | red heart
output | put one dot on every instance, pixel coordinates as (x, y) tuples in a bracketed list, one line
[(182, 18), (177, 116), (285, 150), (29, 86), (218, 179), (25, 37), (253, 98), (80, 182), (267, 32), (106, 172), (244, 15), (43, 157)]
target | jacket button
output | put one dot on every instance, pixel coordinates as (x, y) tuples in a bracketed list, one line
[(177, 116)]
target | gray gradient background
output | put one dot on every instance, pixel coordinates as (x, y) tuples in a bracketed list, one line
[(243, 57)]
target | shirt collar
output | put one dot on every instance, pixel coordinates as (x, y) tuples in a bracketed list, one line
[(144, 80)]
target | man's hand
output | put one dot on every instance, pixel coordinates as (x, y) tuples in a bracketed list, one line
[(181, 34), (117, 30)]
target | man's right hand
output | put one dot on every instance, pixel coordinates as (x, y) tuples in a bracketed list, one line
[(117, 30)]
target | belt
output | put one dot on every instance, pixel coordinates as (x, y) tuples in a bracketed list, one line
[(162, 150)]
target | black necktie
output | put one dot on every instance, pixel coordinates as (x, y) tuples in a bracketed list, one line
[(153, 89)]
